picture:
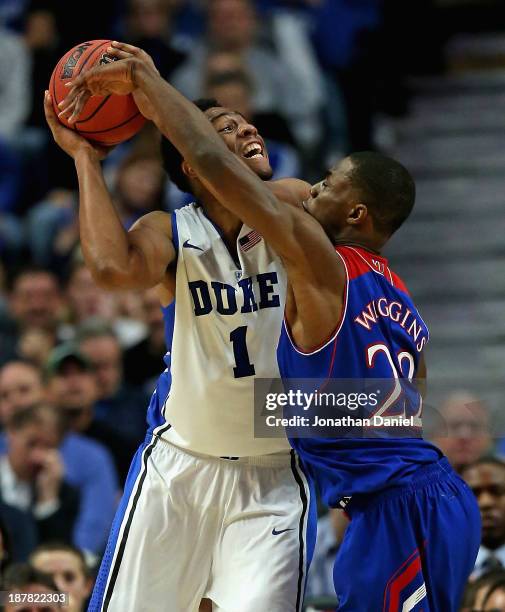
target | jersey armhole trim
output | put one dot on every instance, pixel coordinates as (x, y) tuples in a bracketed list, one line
[(175, 233), (334, 335)]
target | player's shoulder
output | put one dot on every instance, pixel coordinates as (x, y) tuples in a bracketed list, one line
[(290, 190), (157, 220)]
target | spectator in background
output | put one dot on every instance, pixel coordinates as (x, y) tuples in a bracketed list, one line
[(35, 305), (23, 578), (232, 28), (87, 300), (486, 478), (15, 93), (52, 229), (88, 464), (143, 362), (67, 567), (73, 389), (149, 26), (139, 187), (42, 40), (32, 474), (495, 597), (462, 431), (21, 386), (477, 589), (53, 223), (120, 406)]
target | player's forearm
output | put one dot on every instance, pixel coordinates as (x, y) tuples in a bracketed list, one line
[(104, 241)]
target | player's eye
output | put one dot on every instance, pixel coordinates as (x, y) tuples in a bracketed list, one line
[(227, 129)]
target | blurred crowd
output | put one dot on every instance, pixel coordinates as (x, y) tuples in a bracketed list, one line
[(315, 76), (77, 364)]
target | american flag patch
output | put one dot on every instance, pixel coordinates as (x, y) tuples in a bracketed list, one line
[(249, 240)]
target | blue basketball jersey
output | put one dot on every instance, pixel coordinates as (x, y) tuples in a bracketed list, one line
[(381, 336)]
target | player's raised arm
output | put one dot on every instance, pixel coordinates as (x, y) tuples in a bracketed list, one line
[(118, 259), (299, 239)]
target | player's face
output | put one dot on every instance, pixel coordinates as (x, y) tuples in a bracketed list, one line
[(242, 139), (487, 481), (331, 198)]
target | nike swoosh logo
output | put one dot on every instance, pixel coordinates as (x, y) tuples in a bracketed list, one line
[(188, 245), (275, 532)]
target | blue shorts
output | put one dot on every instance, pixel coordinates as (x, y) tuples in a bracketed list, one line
[(409, 548)]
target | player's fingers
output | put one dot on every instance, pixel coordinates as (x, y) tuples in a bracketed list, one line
[(131, 50), (80, 101), (69, 99), (126, 47), (49, 110), (67, 106), (118, 53)]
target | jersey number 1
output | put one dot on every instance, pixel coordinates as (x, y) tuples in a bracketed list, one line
[(243, 366)]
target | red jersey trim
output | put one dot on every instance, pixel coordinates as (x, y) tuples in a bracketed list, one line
[(334, 335)]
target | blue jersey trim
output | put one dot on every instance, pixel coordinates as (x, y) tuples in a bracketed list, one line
[(339, 326), (175, 233), (169, 317)]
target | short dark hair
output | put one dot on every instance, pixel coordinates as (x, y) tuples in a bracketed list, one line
[(494, 585), (95, 327), (172, 159), (28, 269), (485, 460), (225, 77), (36, 415), (54, 545), (21, 575), (386, 186)]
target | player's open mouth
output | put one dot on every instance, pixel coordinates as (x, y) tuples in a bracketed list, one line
[(253, 150)]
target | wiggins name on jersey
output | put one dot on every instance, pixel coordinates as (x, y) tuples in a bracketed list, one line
[(221, 331)]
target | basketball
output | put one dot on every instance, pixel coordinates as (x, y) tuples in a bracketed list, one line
[(106, 120)]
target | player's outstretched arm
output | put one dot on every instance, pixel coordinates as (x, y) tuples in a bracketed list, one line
[(315, 272), (137, 259)]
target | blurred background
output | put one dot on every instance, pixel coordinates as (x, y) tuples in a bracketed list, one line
[(422, 81)]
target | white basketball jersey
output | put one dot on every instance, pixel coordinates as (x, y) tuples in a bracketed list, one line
[(223, 332)]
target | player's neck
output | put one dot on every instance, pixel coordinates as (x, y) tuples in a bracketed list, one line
[(228, 223), (361, 244)]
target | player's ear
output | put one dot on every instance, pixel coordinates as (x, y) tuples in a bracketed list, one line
[(357, 214), (188, 170)]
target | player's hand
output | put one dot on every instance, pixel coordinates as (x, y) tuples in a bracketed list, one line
[(115, 78), (71, 142), (125, 51)]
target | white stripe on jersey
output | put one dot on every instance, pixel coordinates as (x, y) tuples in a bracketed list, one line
[(228, 317)]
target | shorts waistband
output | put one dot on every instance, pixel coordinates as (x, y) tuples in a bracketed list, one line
[(278, 460), (424, 476)]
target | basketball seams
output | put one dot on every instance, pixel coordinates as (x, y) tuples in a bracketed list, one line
[(107, 42), (115, 127), (94, 112)]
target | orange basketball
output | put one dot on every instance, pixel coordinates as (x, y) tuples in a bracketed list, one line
[(107, 120)]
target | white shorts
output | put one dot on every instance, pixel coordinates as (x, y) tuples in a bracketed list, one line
[(193, 526)]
